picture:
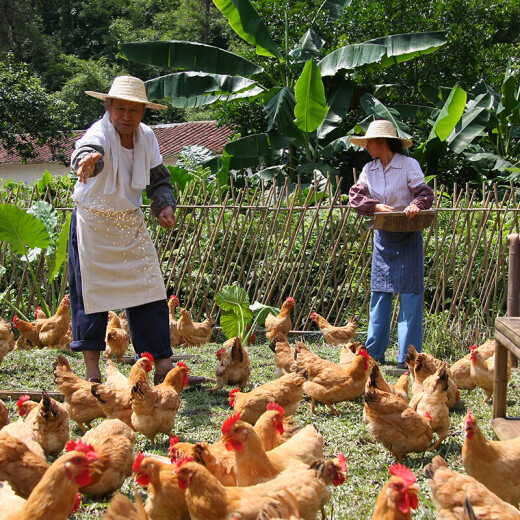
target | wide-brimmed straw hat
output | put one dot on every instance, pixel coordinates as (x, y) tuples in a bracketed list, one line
[(380, 128), (129, 89)]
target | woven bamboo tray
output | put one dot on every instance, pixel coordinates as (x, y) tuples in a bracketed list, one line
[(398, 221)]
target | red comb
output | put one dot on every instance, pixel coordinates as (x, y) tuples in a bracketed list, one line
[(183, 460), (468, 417), (364, 353), (473, 348), (231, 398), (174, 439), (147, 355), (22, 399), (399, 470), (342, 461), (16, 319), (289, 299), (83, 446), (220, 351), (182, 364), (313, 315), (277, 407), (229, 422), (137, 462)]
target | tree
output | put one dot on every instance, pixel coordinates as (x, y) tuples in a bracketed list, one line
[(305, 99), (29, 116)]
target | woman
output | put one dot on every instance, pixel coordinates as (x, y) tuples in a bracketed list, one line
[(393, 182)]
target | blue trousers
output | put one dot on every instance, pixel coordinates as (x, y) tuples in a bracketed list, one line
[(148, 324), (409, 329)]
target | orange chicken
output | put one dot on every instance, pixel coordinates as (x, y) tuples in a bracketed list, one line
[(433, 401), (330, 382), (482, 371), (284, 355), (400, 388), (282, 506), (175, 336), (335, 335), (81, 405), (287, 391), (348, 352), (25, 433), (165, 498), (4, 415), (398, 496), (253, 464), (281, 323), (208, 499), (460, 370), (451, 489), (154, 408), (7, 341), (28, 332), (114, 442), (20, 466), (393, 423), (233, 366), (194, 333), (116, 338), (55, 496), (493, 463), (122, 508), (273, 427), (124, 321)]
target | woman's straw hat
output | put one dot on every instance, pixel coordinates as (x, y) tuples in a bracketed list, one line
[(129, 89), (379, 128)]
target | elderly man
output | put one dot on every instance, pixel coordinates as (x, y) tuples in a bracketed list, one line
[(112, 261)]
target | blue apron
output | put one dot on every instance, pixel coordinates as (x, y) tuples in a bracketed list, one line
[(397, 262)]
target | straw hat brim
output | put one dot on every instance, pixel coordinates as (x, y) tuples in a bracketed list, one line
[(362, 141), (125, 97)]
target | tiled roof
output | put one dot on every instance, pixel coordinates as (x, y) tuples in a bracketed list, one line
[(172, 139)]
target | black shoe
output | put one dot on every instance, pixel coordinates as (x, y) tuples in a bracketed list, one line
[(379, 360), (196, 380), (402, 366)]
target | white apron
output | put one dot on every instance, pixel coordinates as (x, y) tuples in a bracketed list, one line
[(119, 264)]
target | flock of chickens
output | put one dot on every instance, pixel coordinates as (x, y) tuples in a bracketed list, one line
[(264, 466)]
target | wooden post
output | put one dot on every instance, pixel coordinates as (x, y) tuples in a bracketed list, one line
[(500, 383), (513, 282)]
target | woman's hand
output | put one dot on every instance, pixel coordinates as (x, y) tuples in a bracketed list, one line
[(383, 208), (86, 166), (412, 210), (167, 217)]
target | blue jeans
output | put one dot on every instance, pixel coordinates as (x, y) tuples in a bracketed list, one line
[(409, 329)]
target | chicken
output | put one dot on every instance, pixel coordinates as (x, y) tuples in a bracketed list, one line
[(233, 366), (193, 333), (460, 370), (393, 423), (208, 499), (433, 400), (287, 391), (450, 490), (154, 408), (116, 338), (217, 459), (284, 355), (281, 323), (53, 331), (482, 371), (176, 338), (122, 508), (50, 422), (253, 464), (28, 332), (398, 495), (282, 506), (7, 341), (335, 335), (331, 383), (81, 405), (348, 352), (139, 372), (25, 433), (165, 498), (124, 321), (20, 466), (4, 415), (56, 494), (114, 442), (273, 427), (400, 388), (493, 463)]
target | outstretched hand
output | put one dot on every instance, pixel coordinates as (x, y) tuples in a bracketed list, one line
[(167, 217), (86, 166)]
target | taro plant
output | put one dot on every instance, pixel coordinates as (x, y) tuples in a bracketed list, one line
[(305, 93), (32, 233), (238, 317)]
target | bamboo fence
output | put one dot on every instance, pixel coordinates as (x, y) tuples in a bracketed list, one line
[(281, 241)]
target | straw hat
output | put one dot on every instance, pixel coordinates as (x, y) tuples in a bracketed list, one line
[(380, 128), (129, 89)]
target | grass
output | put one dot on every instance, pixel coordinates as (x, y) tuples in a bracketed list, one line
[(201, 415)]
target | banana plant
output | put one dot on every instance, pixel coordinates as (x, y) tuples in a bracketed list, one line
[(305, 98)]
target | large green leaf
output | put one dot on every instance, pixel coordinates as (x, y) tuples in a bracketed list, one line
[(308, 47), (189, 56), (450, 114), (351, 57), (339, 104), (280, 109), (311, 105), (21, 230), (193, 84), (335, 8), (256, 145), (234, 302), (246, 22), (231, 325), (261, 311), (337, 146), (60, 255), (509, 108), (374, 107), (403, 47)]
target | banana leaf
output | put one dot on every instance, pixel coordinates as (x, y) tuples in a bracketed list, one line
[(351, 57)]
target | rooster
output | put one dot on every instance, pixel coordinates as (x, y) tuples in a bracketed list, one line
[(460, 370), (194, 333), (116, 338), (273, 427), (281, 323), (482, 371), (398, 496), (335, 335), (233, 366)]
